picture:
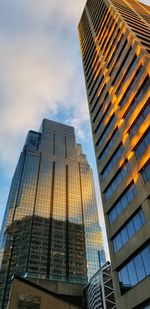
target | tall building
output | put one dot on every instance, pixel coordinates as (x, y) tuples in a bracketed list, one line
[(115, 47), (50, 229)]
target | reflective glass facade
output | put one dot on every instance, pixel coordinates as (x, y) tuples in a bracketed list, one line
[(50, 229), (129, 230), (115, 47), (135, 270)]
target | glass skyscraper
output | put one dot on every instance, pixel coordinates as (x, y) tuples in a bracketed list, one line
[(50, 229), (115, 46)]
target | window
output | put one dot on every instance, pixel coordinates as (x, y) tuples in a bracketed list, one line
[(101, 123), (122, 64), (128, 230), (123, 202), (126, 75), (118, 57), (109, 144), (89, 54), (88, 66), (135, 270), (113, 46), (117, 180), (110, 43), (146, 173), (98, 21), (139, 120), (96, 90), (95, 104), (140, 93), (105, 132), (112, 161), (143, 144)]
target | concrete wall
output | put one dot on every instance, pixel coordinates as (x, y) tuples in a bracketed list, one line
[(47, 301)]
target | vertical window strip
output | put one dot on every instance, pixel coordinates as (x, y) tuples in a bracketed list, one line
[(146, 173), (109, 145), (135, 270), (142, 145), (129, 230), (139, 120), (113, 186), (113, 160), (122, 203), (105, 132)]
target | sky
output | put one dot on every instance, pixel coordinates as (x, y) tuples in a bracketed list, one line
[(41, 76)]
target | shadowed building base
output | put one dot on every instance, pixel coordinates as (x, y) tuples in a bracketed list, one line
[(52, 294)]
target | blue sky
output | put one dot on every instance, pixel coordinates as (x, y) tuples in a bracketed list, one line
[(41, 76)]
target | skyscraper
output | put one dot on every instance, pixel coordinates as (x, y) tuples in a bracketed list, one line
[(50, 229), (115, 46)]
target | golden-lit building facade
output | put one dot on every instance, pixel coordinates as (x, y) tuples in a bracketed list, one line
[(50, 229), (115, 46)]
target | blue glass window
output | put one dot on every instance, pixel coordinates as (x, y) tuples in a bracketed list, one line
[(128, 230), (113, 215), (139, 120), (119, 209), (146, 173), (101, 123), (139, 266), (142, 217), (122, 203), (117, 180), (106, 130), (124, 77), (137, 220), (135, 270), (124, 279), (108, 145), (124, 236), (131, 229), (132, 273), (146, 261), (118, 242), (142, 146), (130, 196), (138, 96)]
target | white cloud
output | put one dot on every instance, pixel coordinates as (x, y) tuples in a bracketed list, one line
[(147, 2), (39, 69), (40, 73)]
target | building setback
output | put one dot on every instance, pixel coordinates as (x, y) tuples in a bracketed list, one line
[(115, 47), (58, 295), (50, 229)]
